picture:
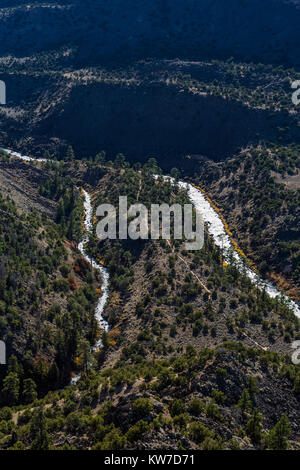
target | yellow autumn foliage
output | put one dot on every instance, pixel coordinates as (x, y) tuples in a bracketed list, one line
[(114, 332), (77, 361), (226, 226)]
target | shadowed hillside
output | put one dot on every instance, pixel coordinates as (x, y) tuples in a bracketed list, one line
[(251, 30)]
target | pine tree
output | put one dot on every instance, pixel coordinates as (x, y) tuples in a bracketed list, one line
[(70, 154), (245, 401), (104, 339), (100, 157), (15, 366), (254, 427), (175, 173), (38, 431), (252, 386), (296, 388), (85, 354), (29, 390), (120, 161), (277, 438), (47, 155), (11, 388)]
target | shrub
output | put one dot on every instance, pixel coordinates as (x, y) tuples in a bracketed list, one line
[(136, 431), (218, 396), (65, 270), (61, 285), (212, 444), (5, 413), (196, 406), (198, 432), (213, 412), (176, 407), (114, 440), (142, 407)]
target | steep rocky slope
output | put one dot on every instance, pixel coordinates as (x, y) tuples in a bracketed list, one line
[(47, 291), (96, 31), (193, 357), (258, 191), (231, 398)]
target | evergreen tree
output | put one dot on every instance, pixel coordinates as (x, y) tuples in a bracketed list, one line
[(100, 157), (85, 354), (175, 173), (38, 431), (11, 388), (296, 388), (254, 427), (277, 438), (104, 339), (120, 161), (70, 154), (245, 401), (252, 386), (29, 390), (15, 366), (47, 155)]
